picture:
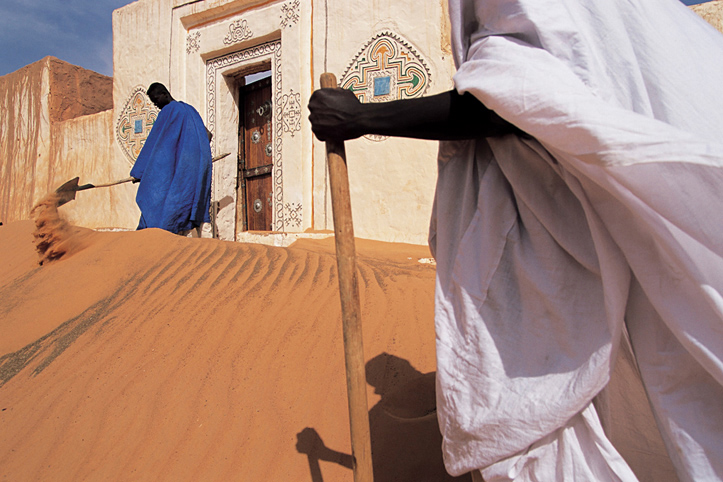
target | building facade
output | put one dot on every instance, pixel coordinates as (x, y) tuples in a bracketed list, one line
[(249, 68)]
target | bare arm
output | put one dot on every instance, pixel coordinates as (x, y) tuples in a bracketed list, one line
[(338, 114)]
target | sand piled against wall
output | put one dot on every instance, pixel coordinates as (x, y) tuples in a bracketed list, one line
[(148, 356)]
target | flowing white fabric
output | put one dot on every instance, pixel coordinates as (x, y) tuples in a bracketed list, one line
[(610, 213)]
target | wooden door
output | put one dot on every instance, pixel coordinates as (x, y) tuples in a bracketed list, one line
[(255, 193)]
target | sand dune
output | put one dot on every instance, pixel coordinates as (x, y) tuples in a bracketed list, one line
[(148, 356)]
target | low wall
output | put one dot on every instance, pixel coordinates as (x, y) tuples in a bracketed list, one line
[(24, 139), (57, 124)]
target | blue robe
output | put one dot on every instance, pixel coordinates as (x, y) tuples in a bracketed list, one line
[(174, 167)]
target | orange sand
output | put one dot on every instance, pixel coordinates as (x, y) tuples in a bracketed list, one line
[(149, 356)]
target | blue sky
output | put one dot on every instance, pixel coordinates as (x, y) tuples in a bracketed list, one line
[(77, 31)]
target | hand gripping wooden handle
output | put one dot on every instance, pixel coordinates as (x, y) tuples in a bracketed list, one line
[(361, 447)]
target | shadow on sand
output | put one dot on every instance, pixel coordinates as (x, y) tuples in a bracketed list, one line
[(405, 437)]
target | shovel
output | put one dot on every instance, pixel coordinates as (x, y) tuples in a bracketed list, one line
[(66, 192)]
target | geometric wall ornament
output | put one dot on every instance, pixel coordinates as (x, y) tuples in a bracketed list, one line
[(289, 14), (237, 31), (386, 68), (193, 43), (293, 215), (291, 112), (135, 122)]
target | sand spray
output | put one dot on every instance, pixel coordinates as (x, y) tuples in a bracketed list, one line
[(54, 236)]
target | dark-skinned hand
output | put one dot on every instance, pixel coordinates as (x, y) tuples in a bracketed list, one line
[(335, 114)]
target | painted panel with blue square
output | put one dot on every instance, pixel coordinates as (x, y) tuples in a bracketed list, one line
[(382, 86), (138, 126)]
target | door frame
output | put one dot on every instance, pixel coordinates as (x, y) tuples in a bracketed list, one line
[(223, 77)]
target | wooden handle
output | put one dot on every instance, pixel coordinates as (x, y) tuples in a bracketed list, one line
[(361, 446), (129, 179), (120, 181), (220, 156)]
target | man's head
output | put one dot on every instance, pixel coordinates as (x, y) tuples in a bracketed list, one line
[(159, 95)]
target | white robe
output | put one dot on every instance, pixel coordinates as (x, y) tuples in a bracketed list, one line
[(610, 214)]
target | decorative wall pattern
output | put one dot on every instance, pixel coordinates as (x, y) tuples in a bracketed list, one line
[(291, 112), (237, 31), (290, 14), (272, 51), (387, 68), (278, 144), (193, 42), (135, 122), (294, 215)]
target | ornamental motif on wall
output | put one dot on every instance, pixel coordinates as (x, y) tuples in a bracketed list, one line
[(293, 215), (135, 122), (237, 31), (193, 42), (291, 112), (289, 14), (386, 68)]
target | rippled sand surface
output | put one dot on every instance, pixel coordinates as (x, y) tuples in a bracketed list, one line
[(149, 356)]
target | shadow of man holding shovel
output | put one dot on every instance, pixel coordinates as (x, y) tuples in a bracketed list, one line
[(405, 438)]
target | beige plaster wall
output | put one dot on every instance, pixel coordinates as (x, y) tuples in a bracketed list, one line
[(141, 47), (24, 140), (84, 148)]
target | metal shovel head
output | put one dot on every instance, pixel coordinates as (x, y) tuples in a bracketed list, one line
[(66, 192)]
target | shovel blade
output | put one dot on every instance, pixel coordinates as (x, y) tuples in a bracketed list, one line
[(66, 192)]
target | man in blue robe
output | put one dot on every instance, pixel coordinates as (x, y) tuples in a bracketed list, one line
[(174, 167)]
